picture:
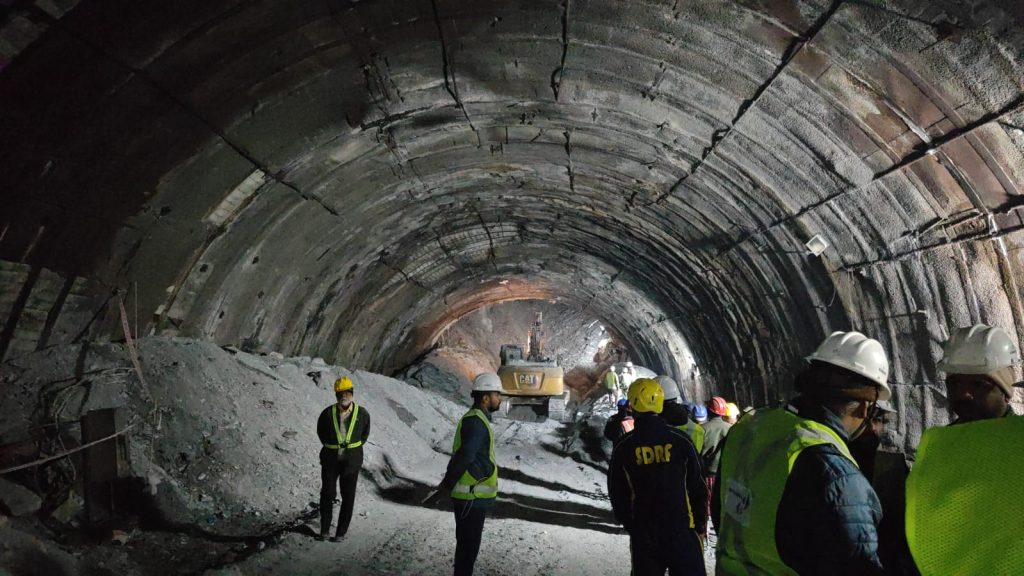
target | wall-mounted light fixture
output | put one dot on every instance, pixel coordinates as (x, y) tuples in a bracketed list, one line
[(816, 245)]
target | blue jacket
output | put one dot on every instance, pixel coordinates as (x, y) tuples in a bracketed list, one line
[(827, 522)]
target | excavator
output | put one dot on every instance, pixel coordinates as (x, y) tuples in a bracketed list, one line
[(534, 387)]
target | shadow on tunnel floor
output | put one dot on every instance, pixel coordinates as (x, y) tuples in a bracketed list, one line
[(519, 507)]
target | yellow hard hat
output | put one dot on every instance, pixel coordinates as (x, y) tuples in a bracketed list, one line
[(342, 384), (646, 395), (732, 410)]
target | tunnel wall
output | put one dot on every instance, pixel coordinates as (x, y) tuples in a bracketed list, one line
[(341, 179)]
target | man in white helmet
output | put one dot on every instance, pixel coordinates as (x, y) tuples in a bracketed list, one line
[(959, 486), (980, 363), (789, 497), (472, 475)]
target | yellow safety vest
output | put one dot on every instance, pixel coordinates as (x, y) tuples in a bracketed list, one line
[(347, 443), (468, 487), (695, 432), (964, 495), (755, 466)]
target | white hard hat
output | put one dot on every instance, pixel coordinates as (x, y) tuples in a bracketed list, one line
[(979, 349), (858, 354), (982, 349), (629, 364), (487, 382), (669, 386)]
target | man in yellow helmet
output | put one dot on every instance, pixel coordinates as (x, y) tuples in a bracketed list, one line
[(789, 498), (657, 490), (472, 475), (965, 481), (343, 428)]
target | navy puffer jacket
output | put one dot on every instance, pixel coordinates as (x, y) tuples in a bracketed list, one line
[(828, 518), (827, 521)]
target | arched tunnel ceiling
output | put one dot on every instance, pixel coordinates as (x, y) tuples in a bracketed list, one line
[(347, 178)]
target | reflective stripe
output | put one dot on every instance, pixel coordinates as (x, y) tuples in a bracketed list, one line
[(468, 487), (963, 499), (755, 466), (347, 442)]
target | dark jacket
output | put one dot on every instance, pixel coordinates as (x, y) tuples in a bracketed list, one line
[(827, 521), (613, 427), (351, 459), (675, 414), (715, 430), (645, 491), (473, 456)]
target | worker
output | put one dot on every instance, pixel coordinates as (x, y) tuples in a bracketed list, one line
[(656, 490), (732, 413), (789, 497), (951, 492), (619, 423), (472, 475), (343, 428), (715, 430), (611, 385), (980, 363), (675, 414), (628, 375)]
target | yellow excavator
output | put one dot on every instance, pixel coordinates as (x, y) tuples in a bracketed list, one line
[(533, 387)]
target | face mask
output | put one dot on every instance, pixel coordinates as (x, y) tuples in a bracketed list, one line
[(346, 402)]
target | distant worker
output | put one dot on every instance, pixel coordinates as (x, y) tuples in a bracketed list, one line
[(611, 386), (676, 415), (700, 416), (343, 428), (472, 475), (789, 497), (732, 413), (715, 431), (656, 490), (628, 375), (980, 363), (967, 475), (620, 423)]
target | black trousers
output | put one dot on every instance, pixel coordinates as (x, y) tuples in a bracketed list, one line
[(677, 551), (331, 477), (469, 528)]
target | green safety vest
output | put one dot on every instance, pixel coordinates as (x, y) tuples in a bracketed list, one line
[(964, 495), (347, 443), (695, 432), (756, 463), (468, 487)]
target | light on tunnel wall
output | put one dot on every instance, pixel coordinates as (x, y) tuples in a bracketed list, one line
[(816, 245)]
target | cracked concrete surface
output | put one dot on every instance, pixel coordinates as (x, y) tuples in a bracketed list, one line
[(659, 164)]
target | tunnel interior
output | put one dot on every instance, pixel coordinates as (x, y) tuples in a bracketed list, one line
[(347, 180)]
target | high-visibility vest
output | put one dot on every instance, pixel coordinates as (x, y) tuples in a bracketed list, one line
[(756, 463), (468, 487), (347, 441), (965, 499), (611, 380), (695, 432)]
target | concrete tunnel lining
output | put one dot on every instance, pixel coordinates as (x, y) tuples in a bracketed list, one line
[(341, 179)]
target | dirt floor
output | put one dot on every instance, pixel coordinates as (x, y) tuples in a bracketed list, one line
[(223, 475)]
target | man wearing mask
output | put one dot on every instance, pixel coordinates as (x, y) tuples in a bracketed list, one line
[(789, 497), (472, 475), (343, 428)]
